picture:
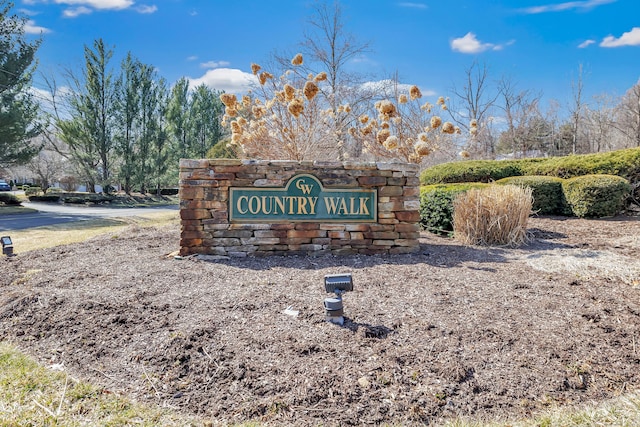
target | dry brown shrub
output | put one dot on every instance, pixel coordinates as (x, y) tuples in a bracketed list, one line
[(496, 215), (296, 117)]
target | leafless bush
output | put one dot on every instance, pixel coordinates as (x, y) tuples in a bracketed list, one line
[(292, 117)]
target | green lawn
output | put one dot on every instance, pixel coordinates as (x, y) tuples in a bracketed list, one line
[(13, 210)]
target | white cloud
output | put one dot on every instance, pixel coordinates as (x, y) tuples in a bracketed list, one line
[(28, 12), (364, 60), (76, 11), (227, 79), (413, 5), (41, 94), (386, 86), (561, 7), (30, 27), (470, 44), (586, 43), (98, 4), (84, 7), (45, 99), (215, 64), (192, 58), (630, 38), (502, 46), (143, 8)]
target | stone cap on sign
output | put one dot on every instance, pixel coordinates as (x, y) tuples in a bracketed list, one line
[(348, 165)]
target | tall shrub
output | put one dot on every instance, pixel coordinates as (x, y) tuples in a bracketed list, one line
[(547, 192), (289, 118), (596, 196), (436, 205)]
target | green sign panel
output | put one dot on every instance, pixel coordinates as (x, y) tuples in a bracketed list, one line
[(303, 199)]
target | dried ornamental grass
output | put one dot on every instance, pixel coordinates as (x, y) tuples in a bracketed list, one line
[(496, 215)]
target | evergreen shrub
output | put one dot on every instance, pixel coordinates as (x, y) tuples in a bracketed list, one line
[(32, 191), (169, 191), (222, 150), (46, 198), (87, 198), (596, 196), (548, 198), (76, 200), (9, 199), (624, 163), (436, 205), (470, 171)]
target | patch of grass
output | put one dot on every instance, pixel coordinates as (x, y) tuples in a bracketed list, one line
[(31, 394), (64, 234), (15, 210), (622, 411)]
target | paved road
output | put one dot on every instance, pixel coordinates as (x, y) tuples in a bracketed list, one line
[(48, 214)]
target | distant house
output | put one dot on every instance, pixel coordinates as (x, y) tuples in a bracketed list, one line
[(529, 154)]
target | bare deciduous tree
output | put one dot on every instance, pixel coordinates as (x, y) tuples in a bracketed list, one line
[(48, 166), (628, 120), (328, 47), (599, 124), (525, 125), (473, 103), (576, 109)]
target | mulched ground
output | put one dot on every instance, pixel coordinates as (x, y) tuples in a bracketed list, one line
[(488, 333)]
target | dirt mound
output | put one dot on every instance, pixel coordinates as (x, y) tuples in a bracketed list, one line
[(452, 330)]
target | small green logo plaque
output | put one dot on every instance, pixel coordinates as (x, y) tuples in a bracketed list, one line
[(303, 199)]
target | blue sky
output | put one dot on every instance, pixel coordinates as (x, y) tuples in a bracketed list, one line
[(539, 44)]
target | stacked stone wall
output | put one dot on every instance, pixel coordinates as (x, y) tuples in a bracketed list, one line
[(204, 209)]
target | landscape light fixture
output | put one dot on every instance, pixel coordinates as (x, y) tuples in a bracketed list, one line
[(337, 284), (7, 245)]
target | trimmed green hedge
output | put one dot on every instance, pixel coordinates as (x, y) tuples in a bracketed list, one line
[(548, 197), (32, 191), (9, 199), (73, 198), (46, 198), (596, 196), (593, 196), (624, 163), (470, 171), (436, 205)]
